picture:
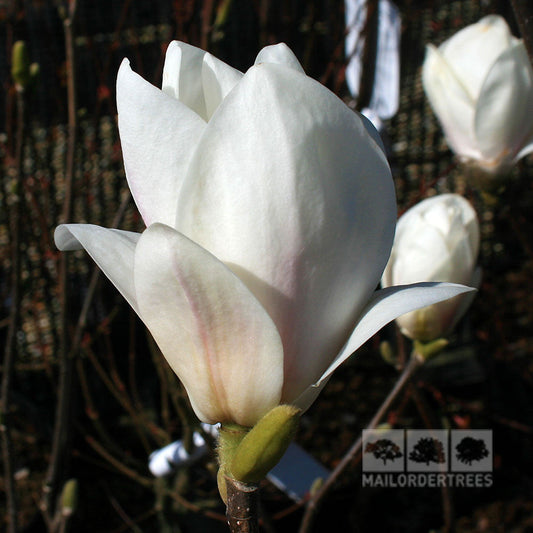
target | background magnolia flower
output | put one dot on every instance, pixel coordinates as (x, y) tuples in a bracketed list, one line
[(438, 240), (270, 215), (480, 85)]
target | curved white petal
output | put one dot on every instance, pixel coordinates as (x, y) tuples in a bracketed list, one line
[(158, 135), (472, 51), (214, 334), (504, 114), (112, 250), (182, 76), (451, 103), (218, 79), (372, 131), (388, 304), (297, 199), (280, 54), (466, 299)]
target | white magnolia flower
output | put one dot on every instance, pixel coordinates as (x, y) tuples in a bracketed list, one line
[(437, 240), (480, 85), (270, 215)]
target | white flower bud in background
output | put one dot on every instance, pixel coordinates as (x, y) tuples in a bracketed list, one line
[(480, 85), (436, 240)]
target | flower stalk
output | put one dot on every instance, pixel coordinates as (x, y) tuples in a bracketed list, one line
[(242, 507)]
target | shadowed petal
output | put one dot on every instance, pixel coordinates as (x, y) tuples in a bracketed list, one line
[(182, 76), (385, 306), (213, 332), (218, 79), (504, 115)]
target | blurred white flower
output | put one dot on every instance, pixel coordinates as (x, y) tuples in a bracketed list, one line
[(270, 215), (480, 85), (436, 240), (385, 84)]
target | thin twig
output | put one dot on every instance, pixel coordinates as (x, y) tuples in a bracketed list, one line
[(14, 319), (447, 503), (315, 501), (62, 428), (523, 10)]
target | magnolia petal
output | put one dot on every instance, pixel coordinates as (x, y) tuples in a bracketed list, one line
[(158, 136), (280, 54), (472, 51), (182, 76), (503, 121), (293, 177), (214, 334), (112, 250), (451, 103), (372, 131), (218, 79), (419, 253), (388, 304), (466, 299)]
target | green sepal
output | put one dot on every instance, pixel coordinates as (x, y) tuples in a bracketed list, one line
[(264, 445), (427, 350), (229, 438)]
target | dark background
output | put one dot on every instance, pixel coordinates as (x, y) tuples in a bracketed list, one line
[(125, 402)]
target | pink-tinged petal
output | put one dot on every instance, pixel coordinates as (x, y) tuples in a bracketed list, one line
[(385, 306), (451, 102), (280, 54), (297, 199), (158, 136), (218, 80), (112, 250), (182, 76), (213, 332), (504, 114)]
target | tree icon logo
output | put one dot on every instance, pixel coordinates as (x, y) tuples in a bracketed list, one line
[(428, 450), (384, 450), (470, 450)]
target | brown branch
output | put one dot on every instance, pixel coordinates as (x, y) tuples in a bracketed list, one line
[(242, 508), (523, 11), (314, 502), (62, 429), (13, 324)]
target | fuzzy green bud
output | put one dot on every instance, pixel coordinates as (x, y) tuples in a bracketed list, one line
[(20, 65), (387, 353), (69, 497), (264, 445)]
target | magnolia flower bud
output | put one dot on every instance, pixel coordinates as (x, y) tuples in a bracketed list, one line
[(480, 85), (438, 240)]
